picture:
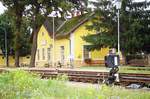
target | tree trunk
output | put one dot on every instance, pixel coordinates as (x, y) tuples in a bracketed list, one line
[(124, 58), (17, 58), (17, 45), (7, 61), (148, 59), (33, 49)]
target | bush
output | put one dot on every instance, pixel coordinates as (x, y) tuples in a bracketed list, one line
[(17, 84)]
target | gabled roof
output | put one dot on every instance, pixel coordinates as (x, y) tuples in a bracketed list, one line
[(71, 25), (1, 53), (48, 24), (64, 28)]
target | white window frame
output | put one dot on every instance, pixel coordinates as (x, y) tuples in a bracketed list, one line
[(83, 58), (62, 61)]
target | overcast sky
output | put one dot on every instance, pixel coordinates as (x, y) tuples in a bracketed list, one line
[(2, 8)]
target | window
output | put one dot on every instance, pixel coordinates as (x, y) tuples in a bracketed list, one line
[(28, 57), (49, 54), (86, 52), (42, 33), (43, 42), (38, 54), (43, 54), (62, 54)]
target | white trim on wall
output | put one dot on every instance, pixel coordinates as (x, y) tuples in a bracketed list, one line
[(90, 55), (72, 45), (82, 53)]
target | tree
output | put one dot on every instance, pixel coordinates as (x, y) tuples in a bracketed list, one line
[(134, 26), (25, 45), (5, 28), (46, 6), (38, 13), (16, 9), (35, 11), (7, 23)]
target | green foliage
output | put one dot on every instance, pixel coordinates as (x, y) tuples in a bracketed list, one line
[(16, 10), (22, 85), (16, 84), (134, 26), (5, 25), (25, 47)]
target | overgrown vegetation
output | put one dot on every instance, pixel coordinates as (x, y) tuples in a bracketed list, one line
[(22, 85)]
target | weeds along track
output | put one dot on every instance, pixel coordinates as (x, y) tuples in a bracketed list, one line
[(128, 78), (89, 76), (93, 76)]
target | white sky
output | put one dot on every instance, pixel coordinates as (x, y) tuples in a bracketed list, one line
[(2, 8)]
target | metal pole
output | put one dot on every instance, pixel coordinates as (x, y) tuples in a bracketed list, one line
[(53, 41), (118, 33), (6, 55)]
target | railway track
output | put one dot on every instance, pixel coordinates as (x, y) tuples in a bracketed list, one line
[(94, 76), (90, 76)]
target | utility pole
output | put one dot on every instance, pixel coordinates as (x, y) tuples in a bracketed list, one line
[(6, 51), (53, 41), (118, 7)]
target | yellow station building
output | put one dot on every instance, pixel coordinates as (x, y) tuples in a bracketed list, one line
[(69, 47)]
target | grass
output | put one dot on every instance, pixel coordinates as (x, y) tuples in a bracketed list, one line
[(22, 85), (122, 69)]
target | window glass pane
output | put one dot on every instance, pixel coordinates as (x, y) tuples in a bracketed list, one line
[(43, 53), (86, 52), (49, 53), (62, 54), (42, 33)]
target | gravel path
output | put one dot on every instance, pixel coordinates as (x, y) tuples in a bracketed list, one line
[(82, 85)]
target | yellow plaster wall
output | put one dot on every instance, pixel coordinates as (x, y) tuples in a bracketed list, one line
[(23, 60), (12, 61), (78, 47), (49, 41), (99, 54), (41, 38), (95, 55), (2, 61), (43, 41), (78, 41), (62, 42)]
